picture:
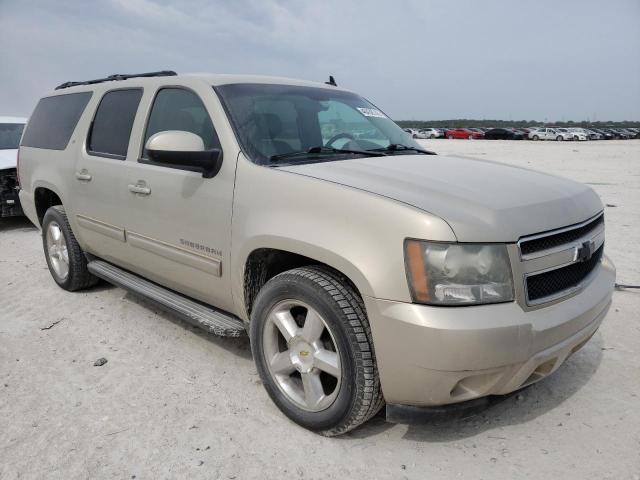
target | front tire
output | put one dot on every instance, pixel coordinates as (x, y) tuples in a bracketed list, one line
[(536, 138), (313, 349), (559, 138), (65, 258)]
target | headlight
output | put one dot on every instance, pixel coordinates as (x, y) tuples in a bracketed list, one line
[(458, 273)]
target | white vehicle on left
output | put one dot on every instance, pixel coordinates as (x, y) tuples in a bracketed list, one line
[(10, 134)]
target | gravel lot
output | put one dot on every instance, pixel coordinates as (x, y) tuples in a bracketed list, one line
[(173, 402)]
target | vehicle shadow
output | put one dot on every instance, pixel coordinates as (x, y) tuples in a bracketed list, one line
[(498, 411), (458, 421), (239, 346), (10, 224)]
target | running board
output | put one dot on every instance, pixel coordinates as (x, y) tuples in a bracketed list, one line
[(207, 318)]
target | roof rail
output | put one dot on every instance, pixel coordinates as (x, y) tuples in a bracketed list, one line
[(117, 77)]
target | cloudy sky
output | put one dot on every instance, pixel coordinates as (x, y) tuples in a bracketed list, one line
[(539, 59)]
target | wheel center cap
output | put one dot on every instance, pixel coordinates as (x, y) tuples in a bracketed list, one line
[(301, 354)]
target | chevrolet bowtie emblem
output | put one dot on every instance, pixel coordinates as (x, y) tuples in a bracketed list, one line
[(583, 252)]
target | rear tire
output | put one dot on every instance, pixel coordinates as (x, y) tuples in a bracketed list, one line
[(65, 258), (450, 137), (559, 138), (291, 354)]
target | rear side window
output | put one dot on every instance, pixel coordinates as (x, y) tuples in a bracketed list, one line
[(54, 120), (180, 109), (111, 128)]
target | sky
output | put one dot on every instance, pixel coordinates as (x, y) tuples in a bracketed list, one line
[(415, 59)]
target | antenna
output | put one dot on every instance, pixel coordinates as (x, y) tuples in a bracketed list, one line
[(332, 81)]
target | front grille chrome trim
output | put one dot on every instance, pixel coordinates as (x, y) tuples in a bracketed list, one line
[(541, 253), (565, 292), (558, 257)]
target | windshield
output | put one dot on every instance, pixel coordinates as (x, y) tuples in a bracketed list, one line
[(272, 121), (10, 134)]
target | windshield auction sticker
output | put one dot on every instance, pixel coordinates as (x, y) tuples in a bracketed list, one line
[(371, 112)]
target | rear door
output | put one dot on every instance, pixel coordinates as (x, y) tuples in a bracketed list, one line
[(99, 192), (179, 227)]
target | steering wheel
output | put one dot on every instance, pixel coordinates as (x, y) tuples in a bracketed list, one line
[(338, 137)]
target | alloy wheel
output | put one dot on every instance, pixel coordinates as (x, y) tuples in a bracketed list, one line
[(302, 355), (57, 250)]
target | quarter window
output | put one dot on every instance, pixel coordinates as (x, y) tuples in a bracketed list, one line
[(53, 121), (180, 109), (111, 128)]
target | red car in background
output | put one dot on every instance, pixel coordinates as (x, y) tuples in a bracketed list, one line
[(463, 133)]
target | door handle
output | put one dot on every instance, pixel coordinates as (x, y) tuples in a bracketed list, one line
[(140, 188), (83, 175)]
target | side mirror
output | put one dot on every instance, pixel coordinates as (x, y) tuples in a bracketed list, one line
[(178, 149)]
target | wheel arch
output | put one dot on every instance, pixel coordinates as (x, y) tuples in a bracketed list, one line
[(261, 263), (44, 197)]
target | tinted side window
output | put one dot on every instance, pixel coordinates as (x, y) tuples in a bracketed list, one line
[(54, 120), (112, 124), (180, 109)]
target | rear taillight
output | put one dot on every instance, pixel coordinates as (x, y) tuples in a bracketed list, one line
[(18, 167)]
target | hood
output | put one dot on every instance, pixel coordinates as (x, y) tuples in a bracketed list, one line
[(482, 201), (8, 159)]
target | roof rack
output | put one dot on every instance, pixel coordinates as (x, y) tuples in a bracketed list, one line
[(117, 77)]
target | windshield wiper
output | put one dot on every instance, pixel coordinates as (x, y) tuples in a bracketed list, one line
[(398, 147), (324, 150)]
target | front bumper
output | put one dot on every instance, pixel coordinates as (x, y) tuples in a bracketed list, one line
[(9, 201), (430, 356)]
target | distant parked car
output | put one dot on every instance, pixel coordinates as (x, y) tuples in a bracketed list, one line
[(503, 134), (477, 130), (594, 134), (575, 133), (549, 134), (621, 133), (429, 133), (10, 133), (415, 133), (464, 133), (606, 135), (411, 131), (612, 132)]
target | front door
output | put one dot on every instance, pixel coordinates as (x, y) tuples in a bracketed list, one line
[(179, 223)]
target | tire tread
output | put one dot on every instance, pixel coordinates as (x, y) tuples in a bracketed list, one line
[(368, 398), (79, 276)]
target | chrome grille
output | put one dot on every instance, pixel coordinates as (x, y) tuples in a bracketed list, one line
[(552, 240), (558, 263), (561, 279)]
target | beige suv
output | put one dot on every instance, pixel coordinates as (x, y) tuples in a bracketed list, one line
[(365, 269)]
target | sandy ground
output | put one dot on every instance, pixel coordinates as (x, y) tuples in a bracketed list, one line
[(173, 402)]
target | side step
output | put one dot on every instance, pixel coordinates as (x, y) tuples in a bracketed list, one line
[(207, 318)]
